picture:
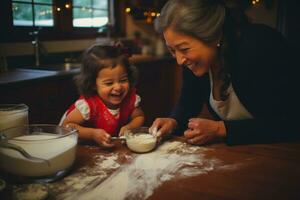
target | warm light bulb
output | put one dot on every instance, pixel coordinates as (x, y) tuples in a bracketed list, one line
[(128, 10), (58, 9), (153, 14), (253, 2), (157, 14), (149, 20), (67, 6)]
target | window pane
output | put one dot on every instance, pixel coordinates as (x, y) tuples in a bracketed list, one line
[(22, 14), (82, 17), (100, 4), (25, 0), (100, 18), (43, 15), (84, 3), (43, 1)]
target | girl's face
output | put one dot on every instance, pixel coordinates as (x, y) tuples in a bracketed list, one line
[(190, 52), (112, 85)]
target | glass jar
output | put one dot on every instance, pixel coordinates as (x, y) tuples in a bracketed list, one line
[(12, 115)]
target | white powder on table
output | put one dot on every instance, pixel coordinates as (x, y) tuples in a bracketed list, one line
[(140, 177), (30, 192), (86, 178), (146, 172)]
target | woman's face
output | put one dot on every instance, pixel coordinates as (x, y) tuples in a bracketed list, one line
[(190, 52), (112, 85)]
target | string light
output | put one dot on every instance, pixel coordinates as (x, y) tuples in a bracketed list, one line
[(254, 2), (140, 13), (58, 9), (149, 20), (128, 10), (67, 6)]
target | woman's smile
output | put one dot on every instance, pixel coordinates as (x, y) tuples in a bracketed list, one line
[(190, 52)]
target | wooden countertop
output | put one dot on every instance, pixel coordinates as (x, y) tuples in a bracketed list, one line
[(19, 76), (176, 170)]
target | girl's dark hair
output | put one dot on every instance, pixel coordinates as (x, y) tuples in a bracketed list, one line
[(208, 21), (98, 57)]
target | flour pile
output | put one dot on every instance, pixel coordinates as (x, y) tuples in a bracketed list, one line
[(86, 178), (146, 172)]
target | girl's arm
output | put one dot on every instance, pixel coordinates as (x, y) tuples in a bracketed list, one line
[(137, 120), (75, 120)]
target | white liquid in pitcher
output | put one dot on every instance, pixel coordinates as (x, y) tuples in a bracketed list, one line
[(13, 118), (59, 152)]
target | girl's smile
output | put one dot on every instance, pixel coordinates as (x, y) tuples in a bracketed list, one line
[(112, 85)]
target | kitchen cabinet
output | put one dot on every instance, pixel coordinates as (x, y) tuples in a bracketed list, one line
[(158, 84), (46, 98)]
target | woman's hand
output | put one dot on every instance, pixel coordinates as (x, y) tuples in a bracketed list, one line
[(203, 131), (163, 126), (102, 137)]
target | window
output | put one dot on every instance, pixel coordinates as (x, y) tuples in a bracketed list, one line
[(32, 13), (90, 13), (55, 19)]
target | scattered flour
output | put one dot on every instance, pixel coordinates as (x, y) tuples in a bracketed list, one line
[(140, 177), (86, 178), (30, 192), (146, 172)]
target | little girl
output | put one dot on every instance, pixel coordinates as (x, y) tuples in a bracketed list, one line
[(108, 104)]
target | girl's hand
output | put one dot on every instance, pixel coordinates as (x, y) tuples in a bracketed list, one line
[(123, 129), (203, 131), (162, 126), (102, 138)]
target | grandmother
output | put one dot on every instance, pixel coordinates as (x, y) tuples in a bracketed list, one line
[(242, 71)]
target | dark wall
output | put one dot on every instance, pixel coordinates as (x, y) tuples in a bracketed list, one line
[(288, 21)]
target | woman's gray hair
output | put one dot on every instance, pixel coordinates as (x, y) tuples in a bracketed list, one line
[(208, 21), (202, 19)]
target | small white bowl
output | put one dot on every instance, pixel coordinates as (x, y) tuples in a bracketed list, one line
[(140, 140)]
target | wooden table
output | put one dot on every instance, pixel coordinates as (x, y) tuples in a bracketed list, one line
[(269, 171)]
